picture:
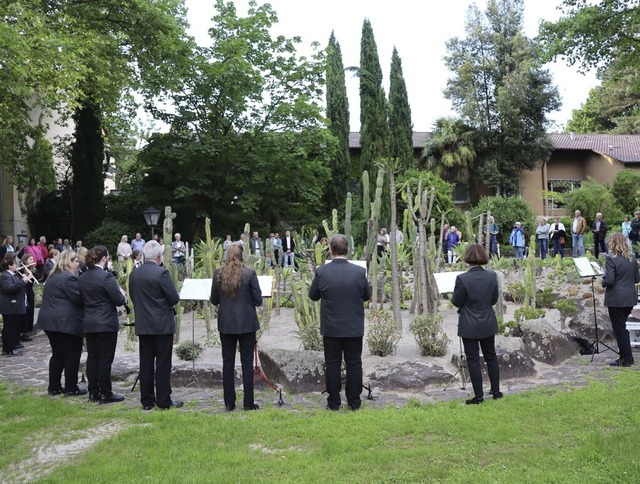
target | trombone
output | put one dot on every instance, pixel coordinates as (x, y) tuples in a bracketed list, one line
[(25, 269)]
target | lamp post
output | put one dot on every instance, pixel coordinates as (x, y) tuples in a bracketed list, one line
[(151, 216)]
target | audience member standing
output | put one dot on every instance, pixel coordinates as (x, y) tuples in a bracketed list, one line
[(154, 294), (452, 242), (236, 292), (27, 329), (101, 296), (558, 234), (59, 246), (542, 234), (475, 293), (382, 240), (256, 245), (516, 239), (225, 246), (124, 250), (626, 229), (277, 249), (599, 229), (620, 278), (13, 303), (578, 227), (288, 250), (50, 263), (60, 317), (7, 246), (178, 249), (494, 230), (137, 243), (342, 288), (35, 251), (634, 233)]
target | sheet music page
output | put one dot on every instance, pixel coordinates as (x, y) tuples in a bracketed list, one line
[(266, 285), (196, 289), (446, 281), (584, 267)]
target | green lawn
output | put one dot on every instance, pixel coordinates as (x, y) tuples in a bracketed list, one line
[(573, 435)]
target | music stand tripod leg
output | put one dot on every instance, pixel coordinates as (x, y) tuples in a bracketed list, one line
[(257, 372)]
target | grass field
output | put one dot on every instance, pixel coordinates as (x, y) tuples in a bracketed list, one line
[(552, 435)]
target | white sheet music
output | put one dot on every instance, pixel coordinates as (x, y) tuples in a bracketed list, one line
[(196, 289), (446, 281), (361, 263), (586, 268), (266, 285)]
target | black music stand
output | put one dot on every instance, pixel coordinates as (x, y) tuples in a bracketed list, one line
[(462, 371), (586, 269)]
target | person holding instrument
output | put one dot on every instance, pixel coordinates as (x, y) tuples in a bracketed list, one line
[(236, 291), (475, 293), (60, 317), (620, 278), (101, 296), (25, 267), (13, 303)]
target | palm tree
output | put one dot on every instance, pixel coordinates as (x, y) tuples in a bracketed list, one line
[(449, 152)]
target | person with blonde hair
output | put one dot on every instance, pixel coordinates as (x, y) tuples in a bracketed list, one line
[(124, 250), (620, 278), (236, 292), (60, 317)]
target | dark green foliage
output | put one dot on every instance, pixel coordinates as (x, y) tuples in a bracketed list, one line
[(545, 298), (516, 289), (443, 202), (382, 337), (188, 350), (567, 307), (374, 130), (527, 313), (593, 197), (431, 338), (51, 214), (500, 89), (506, 211), (508, 328), (400, 125), (338, 115), (109, 235), (88, 165), (626, 191)]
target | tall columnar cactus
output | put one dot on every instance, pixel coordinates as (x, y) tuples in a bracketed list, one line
[(347, 222), (366, 197), (330, 231), (374, 223), (530, 275), (468, 227), (167, 233), (307, 314)]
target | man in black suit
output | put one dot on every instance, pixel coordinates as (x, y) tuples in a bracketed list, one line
[(599, 229), (288, 250), (343, 289), (153, 295)]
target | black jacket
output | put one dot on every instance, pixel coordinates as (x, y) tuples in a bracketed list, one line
[(475, 293), (237, 315), (101, 296), (13, 294), (62, 307), (620, 278), (342, 288), (153, 295)]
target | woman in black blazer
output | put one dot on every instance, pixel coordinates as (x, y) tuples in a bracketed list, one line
[(236, 290), (101, 296), (60, 317), (27, 328), (620, 278), (475, 293), (13, 303)]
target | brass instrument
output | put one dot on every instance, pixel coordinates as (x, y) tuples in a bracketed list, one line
[(25, 270)]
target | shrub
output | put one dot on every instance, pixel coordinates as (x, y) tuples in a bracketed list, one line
[(516, 290), (382, 337), (506, 211), (428, 332), (188, 350), (509, 328), (567, 307), (545, 298), (109, 235), (527, 313)]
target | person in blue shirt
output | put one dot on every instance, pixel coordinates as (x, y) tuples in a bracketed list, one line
[(452, 242), (517, 240)]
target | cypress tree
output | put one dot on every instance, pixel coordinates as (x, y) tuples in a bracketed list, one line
[(374, 130), (400, 125), (87, 163), (338, 115)]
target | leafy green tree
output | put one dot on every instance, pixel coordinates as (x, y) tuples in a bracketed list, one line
[(374, 129), (400, 125), (443, 202), (500, 89), (338, 115), (626, 191), (593, 197), (506, 211)]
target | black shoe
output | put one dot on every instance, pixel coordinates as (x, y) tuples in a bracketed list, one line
[(230, 408), (78, 392), (54, 392), (474, 401), (173, 404), (147, 408), (354, 408), (621, 362), (113, 398), (25, 337), (333, 409), (255, 406), (19, 346), (11, 353), (94, 397), (497, 395)]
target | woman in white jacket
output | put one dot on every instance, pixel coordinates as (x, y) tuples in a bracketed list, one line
[(557, 235)]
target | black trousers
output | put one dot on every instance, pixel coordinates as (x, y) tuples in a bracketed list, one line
[(101, 348), (65, 357), (12, 324), (229, 344), (155, 369), (334, 350), (599, 244), (28, 321), (618, 318), (471, 350)]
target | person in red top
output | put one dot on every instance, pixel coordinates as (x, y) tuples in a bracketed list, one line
[(44, 249)]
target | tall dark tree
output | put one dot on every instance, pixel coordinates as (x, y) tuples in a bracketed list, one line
[(500, 89), (400, 125), (374, 130), (338, 115)]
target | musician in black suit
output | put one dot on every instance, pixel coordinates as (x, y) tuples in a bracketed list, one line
[(101, 296), (342, 288), (620, 278), (13, 303), (475, 293), (60, 317), (236, 290), (154, 294)]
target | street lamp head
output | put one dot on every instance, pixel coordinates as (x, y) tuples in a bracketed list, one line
[(151, 216)]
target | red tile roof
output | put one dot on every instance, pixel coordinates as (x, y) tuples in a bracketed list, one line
[(624, 147)]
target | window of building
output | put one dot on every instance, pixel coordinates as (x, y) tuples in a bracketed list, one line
[(559, 187), (460, 193)]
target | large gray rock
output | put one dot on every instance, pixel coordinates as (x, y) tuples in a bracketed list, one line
[(297, 371), (408, 375), (512, 357), (544, 343), (583, 322)]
